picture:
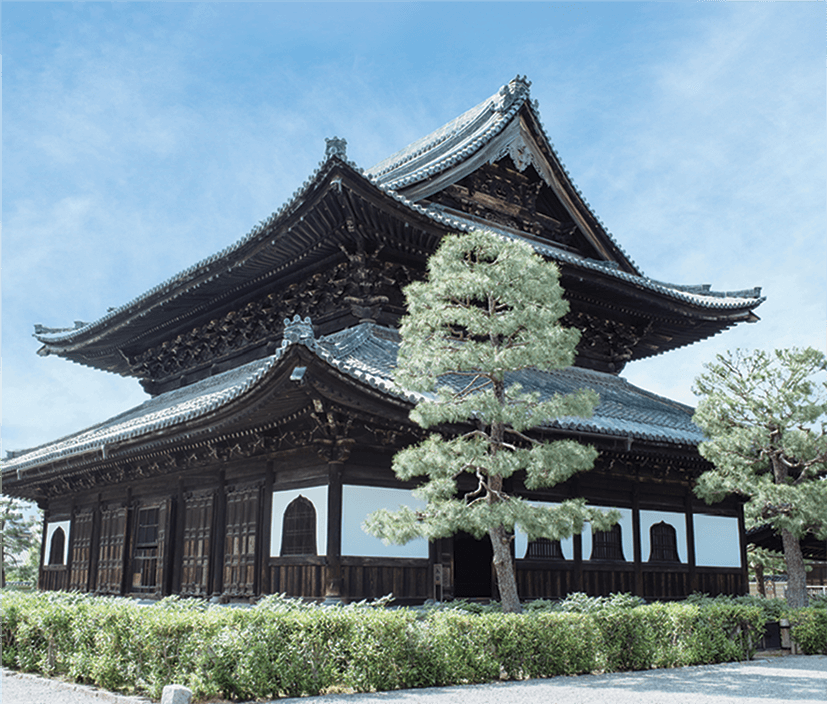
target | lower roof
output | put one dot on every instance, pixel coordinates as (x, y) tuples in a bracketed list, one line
[(366, 356)]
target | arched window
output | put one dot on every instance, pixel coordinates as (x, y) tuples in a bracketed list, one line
[(298, 535), (544, 549), (607, 544), (664, 543), (56, 547)]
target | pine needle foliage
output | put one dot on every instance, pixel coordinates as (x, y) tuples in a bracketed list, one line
[(489, 309)]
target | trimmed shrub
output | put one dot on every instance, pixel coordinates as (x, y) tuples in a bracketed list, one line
[(285, 647), (809, 630)]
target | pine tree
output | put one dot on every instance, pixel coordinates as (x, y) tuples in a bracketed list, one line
[(766, 419), (490, 307)]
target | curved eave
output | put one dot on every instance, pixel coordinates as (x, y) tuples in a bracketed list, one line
[(310, 228), (200, 276)]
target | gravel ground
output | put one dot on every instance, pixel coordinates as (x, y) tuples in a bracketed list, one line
[(800, 679)]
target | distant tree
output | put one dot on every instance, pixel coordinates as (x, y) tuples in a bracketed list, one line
[(765, 415), (19, 542), (490, 307)]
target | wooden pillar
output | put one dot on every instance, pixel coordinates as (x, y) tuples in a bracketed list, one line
[(334, 583), (577, 541), (42, 554), (219, 537), (578, 562), (126, 562), (265, 521), (690, 541), (70, 539), (177, 557), (636, 542), (94, 547)]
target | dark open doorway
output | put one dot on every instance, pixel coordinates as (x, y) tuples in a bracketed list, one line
[(472, 566)]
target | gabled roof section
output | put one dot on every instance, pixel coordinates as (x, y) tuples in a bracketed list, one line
[(366, 356), (506, 124)]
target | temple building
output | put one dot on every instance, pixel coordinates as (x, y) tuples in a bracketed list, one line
[(273, 413)]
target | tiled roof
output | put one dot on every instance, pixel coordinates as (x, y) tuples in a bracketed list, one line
[(163, 411), (367, 353), (453, 142), (701, 294)]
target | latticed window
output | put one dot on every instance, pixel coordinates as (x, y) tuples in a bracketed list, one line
[(56, 547), (544, 549), (145, 565), (664, 543), (607, 544), (298, 536)]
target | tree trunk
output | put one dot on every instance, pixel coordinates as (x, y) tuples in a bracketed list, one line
[(759, 579), (796, 573), (504, 567)]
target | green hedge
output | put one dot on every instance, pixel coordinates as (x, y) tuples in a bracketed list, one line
[(281, 647), (809, 630)]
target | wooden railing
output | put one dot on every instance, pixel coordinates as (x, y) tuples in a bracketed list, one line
[(372, 577), (556, 578), (363, 577)]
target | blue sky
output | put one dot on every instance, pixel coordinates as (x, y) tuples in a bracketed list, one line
[(139, 138)]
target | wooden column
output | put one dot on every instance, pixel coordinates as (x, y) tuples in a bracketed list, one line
[(577, 542), (177, 561), (219, 537), (265, 527), (126, 562), (636, 542), (334, 586), (690, 541), (70, 539), (578, 562), (94, 547), (42, 554)]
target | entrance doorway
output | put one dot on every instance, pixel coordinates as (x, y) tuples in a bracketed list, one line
[(472, 566)]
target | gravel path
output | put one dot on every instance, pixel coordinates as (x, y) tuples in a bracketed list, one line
[(800, 679)]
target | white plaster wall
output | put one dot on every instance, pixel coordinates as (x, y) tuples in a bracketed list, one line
[(521, 539), (717, 541), (51, 527), (626, 535), (674, 519), (357, 503), (317, 495)]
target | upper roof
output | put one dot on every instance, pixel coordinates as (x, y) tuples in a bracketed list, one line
[(506, 124), (312, 227), (366, 355)]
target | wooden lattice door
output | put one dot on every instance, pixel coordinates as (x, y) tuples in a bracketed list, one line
[(195, 561), (81, 544), (111, 551), (148, 549), (240, 540)]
